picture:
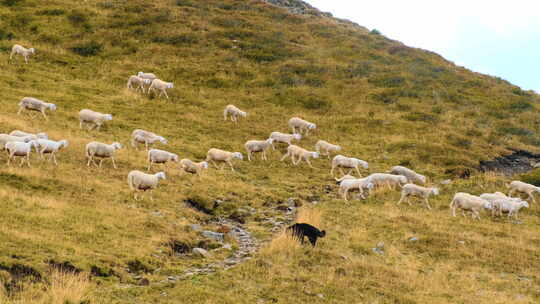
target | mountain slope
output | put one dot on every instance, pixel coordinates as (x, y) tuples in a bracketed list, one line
[(382, 101)]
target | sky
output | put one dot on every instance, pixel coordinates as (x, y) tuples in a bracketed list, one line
[(499, 38)]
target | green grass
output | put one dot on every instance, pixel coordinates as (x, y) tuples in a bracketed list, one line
[(381, 101)]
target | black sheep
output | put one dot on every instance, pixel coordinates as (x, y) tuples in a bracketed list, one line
[(300, 230)]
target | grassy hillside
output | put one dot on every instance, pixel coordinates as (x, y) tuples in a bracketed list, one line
[(382, 101)]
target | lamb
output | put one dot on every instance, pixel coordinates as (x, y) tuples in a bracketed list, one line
[(139, 181), (234, 112), (34, 104), (214, 155), (328, 147), (411, 176), (524, 188), (101, 150), (22, 149), (20, 50), (45, 146), (301, 125), (4, 139), (156, 156), (391, 180), (19, 133), (284, 138), (508, 205), (95, 119), (302, 154), (146, 138), (354, 183), (149, 76), (192, 167), (472, 203), (340, 161), (418, 191), (137, 83), (161, 86), (255, 146), (301, 230)]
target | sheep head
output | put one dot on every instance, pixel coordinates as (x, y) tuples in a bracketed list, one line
[(107, 117), (243, 114), (297, 136), (369, 185), (32, 50), (169, 85), (362, 163), (312, 126), (238, 155), (270, 141), (116, 145), (204, 165), (64, 143), (488, 205), (435, 191), (163, 140), (51, 106), (140, 74), (174, 158), (160, 175), (315, 154)]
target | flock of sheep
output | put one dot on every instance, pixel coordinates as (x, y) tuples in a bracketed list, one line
[(20, 144)]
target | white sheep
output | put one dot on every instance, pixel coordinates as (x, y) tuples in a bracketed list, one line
[(192, 167), (411, 176), (46, 146), (391, 180), (413, 190), (138, 83), (295, 151), (19, 133), (156, 156), (340, 161), (284, 138), (256, 146), (469, 202), (100, 150), (94, 119), (146, 138), (508, 205), (161, 86), (34, 104), (20, 50), (23, 149), (140, 181), (327, 147), (302, 125), (5, 138), (498, 200), (354, 183), (524, 188), (233, 112), (149, 76), (217, 155)]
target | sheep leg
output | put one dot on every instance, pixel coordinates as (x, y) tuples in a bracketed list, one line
[(149, 166), (27, 159), (80, 124), (427, 203), (341, 171), (401, 199), (20, 110), (89, 159), (332, 170), (309, 163), (146, 145), (53, 156), (230, 164), (45, 116), (214, 163), (11, 55), (285, 156), (531, 197), (249, 156), (345, 192), (511, 192), (100, 162), (358, 171)]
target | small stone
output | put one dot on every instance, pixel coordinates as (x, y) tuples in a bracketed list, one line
[(446, 182), (413, 239), (520, 297), (461, 242), (201, 252), (196, 227), (213, 235), (320, 295), (380, 245), (156, 213), (227, 246), (378, 251)]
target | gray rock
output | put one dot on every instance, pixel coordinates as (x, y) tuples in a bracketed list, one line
[(378, 251), (156, 213), (413, 239), (227, 246), (213, 235), (201, 252), (196, 227), (446, 182), (380, 245)]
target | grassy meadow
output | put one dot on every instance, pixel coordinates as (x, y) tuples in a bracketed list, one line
[(74, 234)]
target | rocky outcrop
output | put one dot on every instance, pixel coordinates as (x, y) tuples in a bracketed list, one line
[(298, 7)]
